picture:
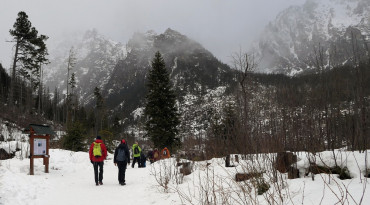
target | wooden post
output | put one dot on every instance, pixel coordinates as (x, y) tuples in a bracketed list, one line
[(46, 157), (46, 160), (31, 165), (227, 161), (31, 153)]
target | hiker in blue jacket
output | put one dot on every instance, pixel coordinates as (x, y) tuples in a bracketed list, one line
[(121, 158)]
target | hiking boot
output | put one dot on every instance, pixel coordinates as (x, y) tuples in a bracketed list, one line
[(97, 184), (123, 183), (100, 183)]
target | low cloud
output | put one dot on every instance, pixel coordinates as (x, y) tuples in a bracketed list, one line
[(220, 26)]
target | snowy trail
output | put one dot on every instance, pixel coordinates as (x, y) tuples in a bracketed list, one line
[(80, 187), (71, 181)]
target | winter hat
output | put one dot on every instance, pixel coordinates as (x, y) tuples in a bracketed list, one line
[(98, 138), (123, 141)]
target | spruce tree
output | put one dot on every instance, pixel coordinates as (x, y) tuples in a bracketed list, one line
[(76, 135), (160, 111), (99, 109)]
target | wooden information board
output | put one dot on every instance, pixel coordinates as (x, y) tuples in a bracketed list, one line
[(39, 146)]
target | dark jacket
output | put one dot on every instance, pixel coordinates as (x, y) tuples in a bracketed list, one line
[(123, 147), (103, 150), (150, 155)]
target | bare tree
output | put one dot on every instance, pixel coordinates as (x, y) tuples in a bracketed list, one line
[(245, 64)]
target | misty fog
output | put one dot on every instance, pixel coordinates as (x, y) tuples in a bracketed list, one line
[(222, 27)]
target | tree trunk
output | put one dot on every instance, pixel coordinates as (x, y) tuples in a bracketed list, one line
[(11, 97)]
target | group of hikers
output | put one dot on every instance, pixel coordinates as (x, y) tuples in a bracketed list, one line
[(98, 153)]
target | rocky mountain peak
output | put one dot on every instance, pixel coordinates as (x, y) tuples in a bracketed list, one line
[(191, 66), (172, 34), (288, 43), (95, 56)]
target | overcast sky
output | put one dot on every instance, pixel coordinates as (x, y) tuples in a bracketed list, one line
[(221, 26)]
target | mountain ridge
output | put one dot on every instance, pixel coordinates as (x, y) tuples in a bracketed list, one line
[(288, 44), (193, 69), (95, 56)]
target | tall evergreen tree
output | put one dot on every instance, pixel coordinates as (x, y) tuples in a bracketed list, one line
[(29, 48), (99, 109), (161, 113)]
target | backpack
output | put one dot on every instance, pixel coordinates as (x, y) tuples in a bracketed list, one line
[(136, 150), (97, 150), (121, 155)]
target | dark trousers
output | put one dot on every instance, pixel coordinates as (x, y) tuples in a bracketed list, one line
[(121, 171), (100, 166), (136, 159), (142, 162)]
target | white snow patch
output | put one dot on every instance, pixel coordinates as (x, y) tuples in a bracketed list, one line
[(138, 112)]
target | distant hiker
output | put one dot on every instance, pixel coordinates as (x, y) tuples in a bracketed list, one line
[(150, 156), (156, 155), (165, 153), (121, 158), (98, 153), (142, 160), (136, 150)]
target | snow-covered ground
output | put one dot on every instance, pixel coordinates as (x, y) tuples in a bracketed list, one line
[(70, 181)]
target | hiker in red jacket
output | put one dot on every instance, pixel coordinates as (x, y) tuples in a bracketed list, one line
[(98, 153), (165, 153)]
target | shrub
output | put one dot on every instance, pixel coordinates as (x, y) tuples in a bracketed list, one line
[(262, 186), (75, 137)]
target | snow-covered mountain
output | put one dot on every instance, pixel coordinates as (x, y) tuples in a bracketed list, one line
[(299, 34), (194, 71), (192, 67), (200, 79), (96, 57)]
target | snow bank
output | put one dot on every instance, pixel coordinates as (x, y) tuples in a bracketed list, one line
[(70, 181)]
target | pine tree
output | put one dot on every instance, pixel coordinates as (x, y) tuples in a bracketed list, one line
[(160, 111), (30, 50)]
